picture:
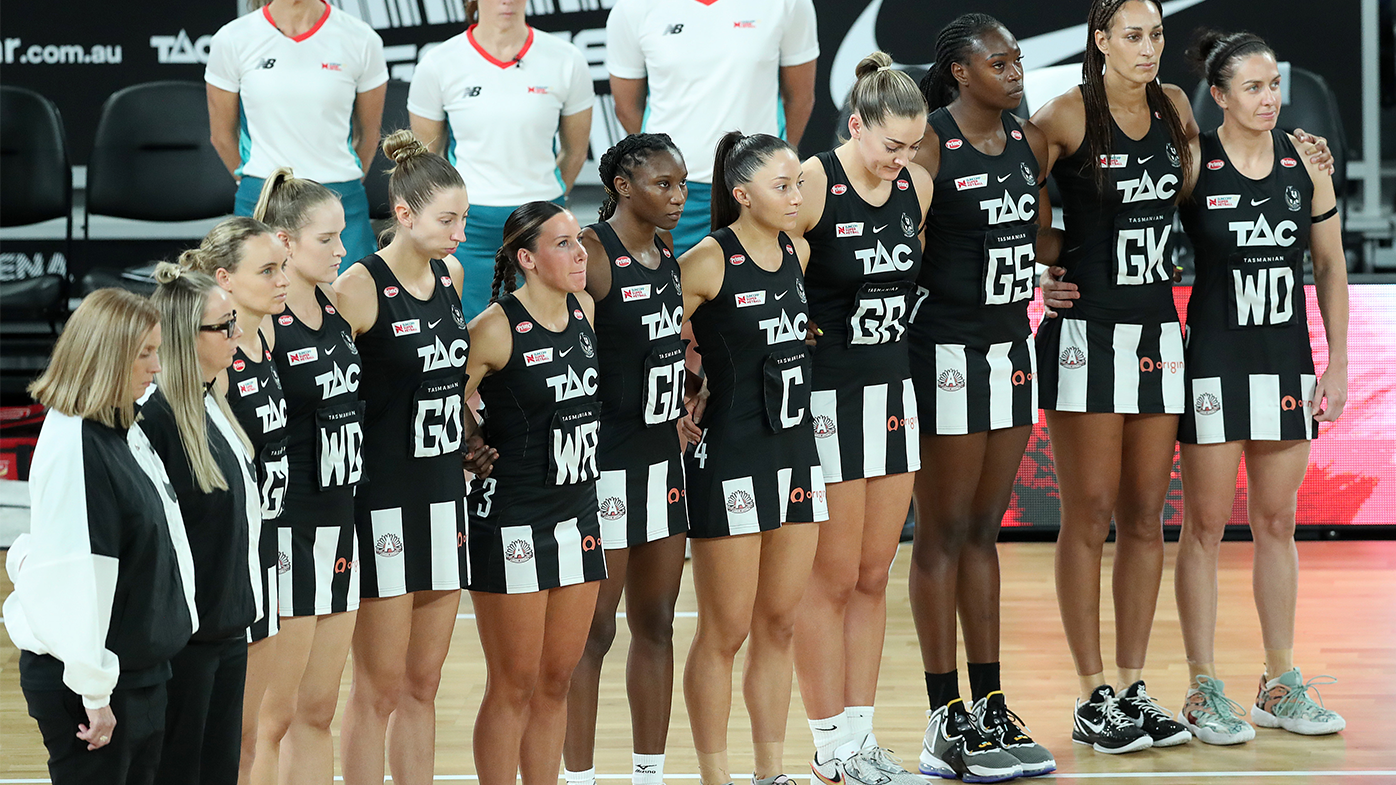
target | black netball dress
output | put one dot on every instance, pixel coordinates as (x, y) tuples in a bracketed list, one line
[(863, 264), (640, 491), (1250, 368), (318, 560), (254, 395), (533, 521), (410, 509), (756, 466), (972, 350), (1120, 347)]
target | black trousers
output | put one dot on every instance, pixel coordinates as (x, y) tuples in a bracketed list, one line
[(133, 753), (203, 722)]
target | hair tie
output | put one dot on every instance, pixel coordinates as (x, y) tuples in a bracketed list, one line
[(884, 68)]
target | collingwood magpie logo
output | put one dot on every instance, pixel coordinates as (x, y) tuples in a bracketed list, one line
[(1027, 174), (1173, 156), (1207, 403), (800, 290), (587, 347), (1292, 198), (348, 339), (1072, 357), (908, 226), (739, 502), (612, 509), (457, 316)]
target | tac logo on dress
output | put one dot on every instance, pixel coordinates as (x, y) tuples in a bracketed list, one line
[(388, 545), (823, 426), (1072, 357), (951, 380), (1207, 403), (518, 552), (611, 508), (739, 502)]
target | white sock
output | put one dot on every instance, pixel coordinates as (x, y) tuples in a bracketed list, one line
[(587, 777), (860, 723), (648, 769), (829, 734)]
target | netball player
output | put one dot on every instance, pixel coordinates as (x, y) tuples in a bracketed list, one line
[(209, 461), (756, 468), (103, 580), (492, 100), (633, 276), (249, 262), (297, 83), (318, 561), (403, 306), (536, 557), (976, 389), (1117, 147), (1251, 385), (864, 203)]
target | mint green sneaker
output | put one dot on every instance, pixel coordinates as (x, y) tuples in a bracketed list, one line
[(1213, 717), (1285, 703)]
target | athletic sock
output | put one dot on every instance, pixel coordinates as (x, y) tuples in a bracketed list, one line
[(648, 769), (829, 733), (983, 679), (941, 688), (860, 722), (587, 777)]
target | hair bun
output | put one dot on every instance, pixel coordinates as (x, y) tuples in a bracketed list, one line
[(402, 146), (167, 272), (877, 61)]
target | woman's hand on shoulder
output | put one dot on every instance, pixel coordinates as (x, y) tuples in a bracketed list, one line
[(356, 298)]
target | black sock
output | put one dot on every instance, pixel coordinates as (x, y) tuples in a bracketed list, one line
[(941, 688), (983, 679)]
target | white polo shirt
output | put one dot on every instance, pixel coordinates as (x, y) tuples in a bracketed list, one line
[(297, 93), (713, 65), (502, 117)]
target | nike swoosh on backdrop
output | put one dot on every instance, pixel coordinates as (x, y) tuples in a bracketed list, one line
[(1041, 50)]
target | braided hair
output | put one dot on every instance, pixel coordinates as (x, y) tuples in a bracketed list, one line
[(1099, 140), (623, 159), (953, 45), (1214, 55), (521, 232)]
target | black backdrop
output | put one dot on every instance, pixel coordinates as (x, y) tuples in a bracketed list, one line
[(80, 52)]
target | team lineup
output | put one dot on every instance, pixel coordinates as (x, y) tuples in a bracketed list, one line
[(338, 447)]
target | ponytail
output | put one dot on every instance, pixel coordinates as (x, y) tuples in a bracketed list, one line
[(882, 92), (222, 247), (737, 159), (286, 201)]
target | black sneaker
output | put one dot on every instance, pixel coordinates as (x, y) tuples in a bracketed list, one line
[(1001, 725), (1155, 720), (1100, 723)]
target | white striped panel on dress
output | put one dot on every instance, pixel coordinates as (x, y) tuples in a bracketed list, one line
[(273, 601), (355, 576), (520, 559), (1000, 385), (657, 502), (825, 403), (613, 509), (783, 487), (913, 426), (952, 407), (284, 580), (445, 547), (874, 430), (388, 560), (325, 547), (821, 504), (1209, 410), (739, 499), (1072, 382), (1170, 345), (569, 552), (1124, 344), (1032, 364), (1308, 385), (1265, 406)]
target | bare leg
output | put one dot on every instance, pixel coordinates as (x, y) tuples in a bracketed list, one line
[(381, 639), (411, 738), (865, 620), (261, 662), (1209, 489), (568, 618), (307, 752), (651, 591), (819, 661), (1274, 472), (586, 682)]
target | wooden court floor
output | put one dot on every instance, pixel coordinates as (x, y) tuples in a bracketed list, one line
[(1346, 624)]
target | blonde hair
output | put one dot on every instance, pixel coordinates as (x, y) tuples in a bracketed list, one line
[(89, 374), (418, 173), (286, 201), (222, 247), (882, 92), (181, 298)]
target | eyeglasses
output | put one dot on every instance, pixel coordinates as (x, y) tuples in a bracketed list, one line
[(228, 328)]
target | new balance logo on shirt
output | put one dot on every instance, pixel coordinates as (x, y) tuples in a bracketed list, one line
[(267, 63)]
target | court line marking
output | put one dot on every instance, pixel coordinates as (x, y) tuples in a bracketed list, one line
[(1057, 775), (619, 615)]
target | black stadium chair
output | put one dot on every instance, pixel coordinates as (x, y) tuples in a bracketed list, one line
[(37, 186), (395, 117)]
